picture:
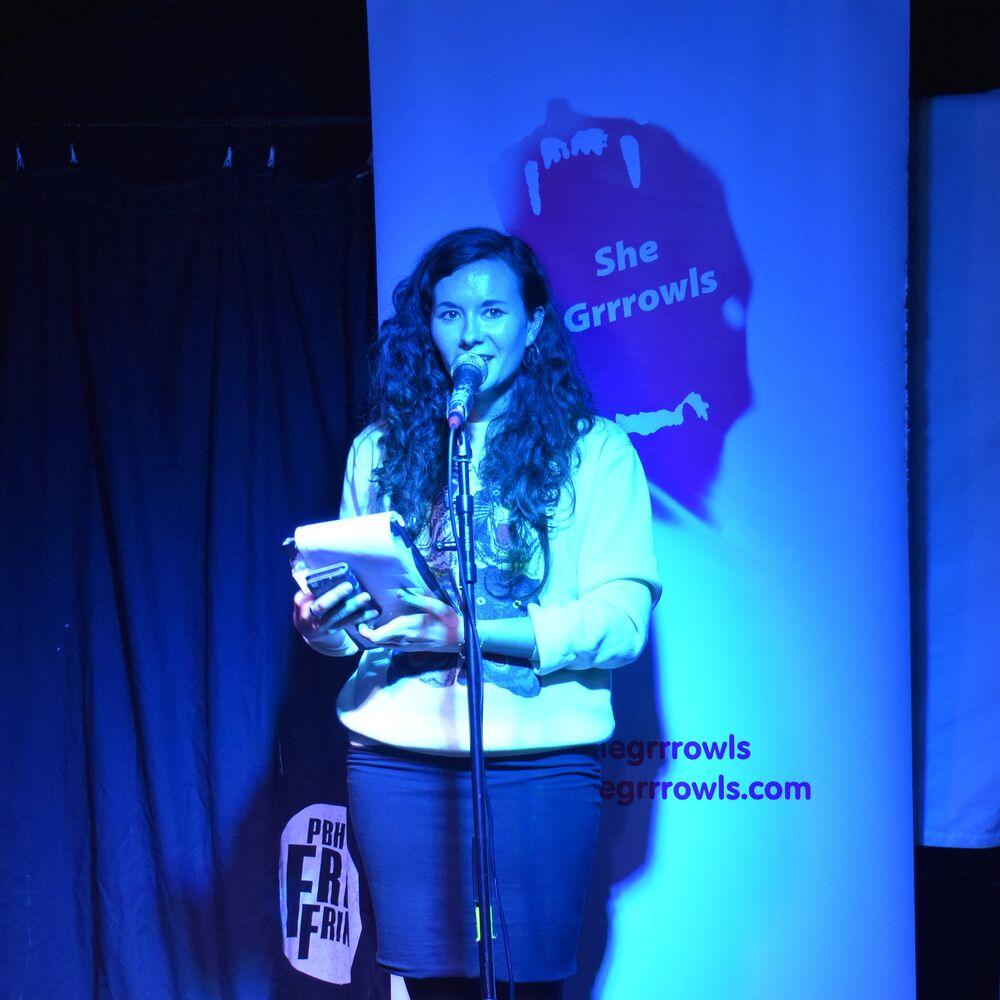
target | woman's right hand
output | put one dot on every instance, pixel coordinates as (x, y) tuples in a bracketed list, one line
[(337, 608)]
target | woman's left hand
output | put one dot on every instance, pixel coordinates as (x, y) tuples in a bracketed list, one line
[(433, 626)]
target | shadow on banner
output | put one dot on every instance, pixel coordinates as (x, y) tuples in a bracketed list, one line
[(636, 238)]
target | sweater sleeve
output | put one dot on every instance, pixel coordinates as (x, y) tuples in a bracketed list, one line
[(355, 500), (362, 460), (599, 616)]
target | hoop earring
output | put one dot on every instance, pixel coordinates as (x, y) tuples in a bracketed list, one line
[(531, 355)]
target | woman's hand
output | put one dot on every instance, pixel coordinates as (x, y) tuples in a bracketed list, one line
[(433, 626), (338, 607)]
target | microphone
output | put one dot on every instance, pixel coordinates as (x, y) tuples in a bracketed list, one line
[(468, 372)]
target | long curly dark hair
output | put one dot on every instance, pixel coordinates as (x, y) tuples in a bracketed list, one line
[(530, 447)]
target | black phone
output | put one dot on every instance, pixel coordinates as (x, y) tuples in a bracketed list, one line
[(319, 581)]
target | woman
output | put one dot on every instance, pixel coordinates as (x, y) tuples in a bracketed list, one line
[(567, 580)]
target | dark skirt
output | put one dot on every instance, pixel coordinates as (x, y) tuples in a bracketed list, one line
[(412, 821)]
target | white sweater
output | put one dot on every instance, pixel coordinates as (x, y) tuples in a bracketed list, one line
[(592, 615)]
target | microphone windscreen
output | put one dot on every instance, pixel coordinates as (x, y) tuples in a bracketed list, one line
[(469, 360)]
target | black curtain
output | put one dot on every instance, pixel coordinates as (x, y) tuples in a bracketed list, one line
[(183, 368)]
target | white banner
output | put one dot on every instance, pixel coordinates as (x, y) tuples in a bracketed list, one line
[(718, 192)]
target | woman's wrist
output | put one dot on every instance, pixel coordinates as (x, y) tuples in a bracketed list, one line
[(332, 642)]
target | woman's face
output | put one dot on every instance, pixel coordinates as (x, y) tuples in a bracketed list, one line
[(479, 309)]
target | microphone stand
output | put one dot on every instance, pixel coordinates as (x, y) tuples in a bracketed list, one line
[(481, 854)]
